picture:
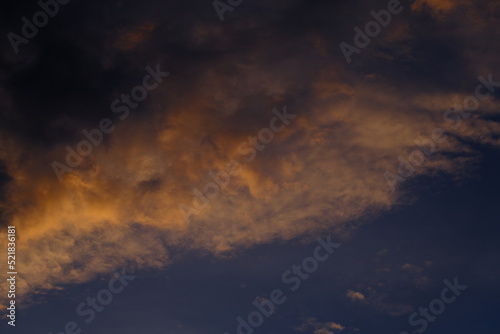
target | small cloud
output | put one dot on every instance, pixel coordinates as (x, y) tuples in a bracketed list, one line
[(131, 38), (383, 252), (355, 295), (334, 325), (436, 6), (422, 281), (320, 327), (411, 268), (323, 331), (380, 302)]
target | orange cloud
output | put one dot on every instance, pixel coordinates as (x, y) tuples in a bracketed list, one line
[(323, 170), (434, 5), (133, 37)]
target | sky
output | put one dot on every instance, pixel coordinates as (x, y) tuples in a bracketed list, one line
[(240, 167)]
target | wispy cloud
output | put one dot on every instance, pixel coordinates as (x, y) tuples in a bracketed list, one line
[(121, 204)]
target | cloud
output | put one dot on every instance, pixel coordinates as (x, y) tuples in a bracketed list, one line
[(411, 268), (379, 301), (121, 205), (434, 5), (133, 37), (320, 327), (355, 295)]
